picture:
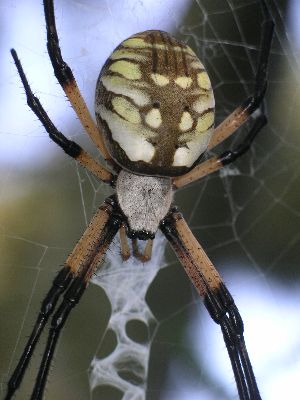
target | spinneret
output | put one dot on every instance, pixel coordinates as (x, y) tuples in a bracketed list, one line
[(155, 105)]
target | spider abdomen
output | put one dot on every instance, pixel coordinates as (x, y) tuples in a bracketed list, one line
[(155, 105)]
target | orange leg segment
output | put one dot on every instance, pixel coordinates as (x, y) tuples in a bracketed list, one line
[(66, 79), (72, 280), (216, 297)]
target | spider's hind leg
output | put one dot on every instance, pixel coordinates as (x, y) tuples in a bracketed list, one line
[(217, 300), (59, 285), (73, 280), (83, 261)]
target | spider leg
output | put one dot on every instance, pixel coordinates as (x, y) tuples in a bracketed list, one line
[(70, 147), (243, 112), (217, 162), (125, 250), (73, 280), (67, 81), (216, 298), (148, 250), (59, 285)]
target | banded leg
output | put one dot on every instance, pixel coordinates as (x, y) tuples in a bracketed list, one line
[(243, 112), (217, 162), (70, 147), (66, 79), (216, 298), (59, 285), (72, 279)]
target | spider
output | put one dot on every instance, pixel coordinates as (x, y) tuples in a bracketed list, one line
[(155, 119)]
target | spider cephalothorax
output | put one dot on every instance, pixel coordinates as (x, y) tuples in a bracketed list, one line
[(155, 113), (145, 201)]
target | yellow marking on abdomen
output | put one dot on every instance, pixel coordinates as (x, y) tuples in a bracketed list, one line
[(160, 80), (195, 143), (127, 69), (119, 85), (205, 121), (132, 138), (135, 42), (127, 110), (153, 118), (186, 121), (203, 80), (184, 81), (181, 157), (126, 53), (204, 103), (142, 44)]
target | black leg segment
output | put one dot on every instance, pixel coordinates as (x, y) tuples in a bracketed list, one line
[(72, 280), (59, 285), (231, 155), (70, 147), (62, 71), (217, 300), (71, 298), (253, 102)]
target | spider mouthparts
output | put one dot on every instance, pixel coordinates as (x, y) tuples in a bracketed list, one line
[(141, 235)]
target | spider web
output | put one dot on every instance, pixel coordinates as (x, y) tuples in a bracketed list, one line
[(246, 217)]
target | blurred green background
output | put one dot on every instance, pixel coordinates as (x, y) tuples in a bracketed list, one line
[(246, 217)]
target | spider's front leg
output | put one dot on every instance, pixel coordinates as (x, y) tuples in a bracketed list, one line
[(71, 280), (67, 81), (216, 298), (71, 148), (252, 103)]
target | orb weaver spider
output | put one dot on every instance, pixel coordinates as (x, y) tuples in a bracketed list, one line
[(155, 119)]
